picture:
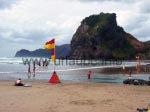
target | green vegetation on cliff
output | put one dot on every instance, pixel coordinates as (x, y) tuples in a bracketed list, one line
[(99, 36), (147, 51)]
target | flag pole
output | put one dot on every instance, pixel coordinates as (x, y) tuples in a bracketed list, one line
[(54, 53), (54, 59)]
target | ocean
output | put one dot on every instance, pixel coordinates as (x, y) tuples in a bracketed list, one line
[(67, 70)]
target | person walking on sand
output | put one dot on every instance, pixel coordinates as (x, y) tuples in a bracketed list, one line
[(29, 71), (89, 74)]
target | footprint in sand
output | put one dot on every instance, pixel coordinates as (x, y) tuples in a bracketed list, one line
[(83, 102)]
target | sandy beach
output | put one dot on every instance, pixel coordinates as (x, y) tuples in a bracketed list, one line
[(72, 97)]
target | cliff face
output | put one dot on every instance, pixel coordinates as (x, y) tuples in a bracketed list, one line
[(99, 36), (61, 51), (147, 51)]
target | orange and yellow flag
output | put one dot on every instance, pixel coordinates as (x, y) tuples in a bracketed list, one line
[(51, 45)]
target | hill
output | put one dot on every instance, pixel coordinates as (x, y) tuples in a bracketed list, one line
[(99, 37), (61, 51)]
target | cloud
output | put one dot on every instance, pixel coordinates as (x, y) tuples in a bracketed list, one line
[(142, 30), (137, 21), (127, 1), (30, 23), (7, 3), (145, 6), (37, 23)]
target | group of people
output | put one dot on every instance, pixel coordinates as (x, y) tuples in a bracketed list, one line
[(29, 70), (43, 63)]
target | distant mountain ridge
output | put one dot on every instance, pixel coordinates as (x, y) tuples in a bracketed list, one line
[(61, 51)]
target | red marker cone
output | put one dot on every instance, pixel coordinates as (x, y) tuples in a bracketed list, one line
[(54, 78)]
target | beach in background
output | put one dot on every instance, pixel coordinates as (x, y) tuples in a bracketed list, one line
[(13, 68)]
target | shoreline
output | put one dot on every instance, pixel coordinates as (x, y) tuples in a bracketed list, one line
[(99, 75), (144, 69)]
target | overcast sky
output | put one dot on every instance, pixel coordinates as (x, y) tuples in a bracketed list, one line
[(28, 24)]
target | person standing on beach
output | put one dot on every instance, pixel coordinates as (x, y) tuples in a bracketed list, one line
[(34, 69), (124, 69), (43, 62), (46, 63), (138, 64), (39, 63), (130, 72), (89, 74), (137, 68), (129, 78), (29, 71)]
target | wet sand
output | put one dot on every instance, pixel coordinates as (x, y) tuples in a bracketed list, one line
[(72, 97), (144, 69)]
